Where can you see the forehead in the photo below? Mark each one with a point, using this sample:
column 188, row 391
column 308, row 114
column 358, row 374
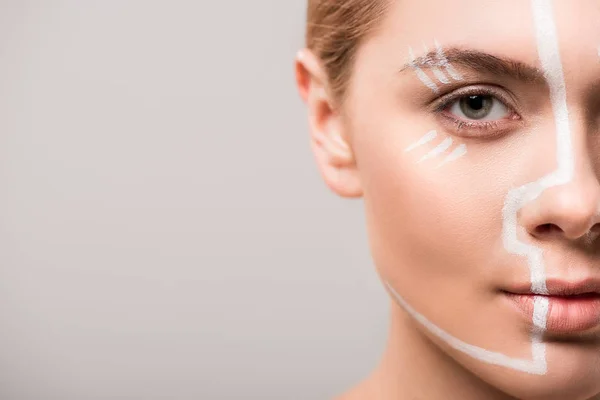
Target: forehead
column 501, row 27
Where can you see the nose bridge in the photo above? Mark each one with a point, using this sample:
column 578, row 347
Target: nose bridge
column 572, row 208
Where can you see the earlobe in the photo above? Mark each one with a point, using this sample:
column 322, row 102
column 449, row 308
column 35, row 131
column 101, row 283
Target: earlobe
column 337, row 167
column 333, row 152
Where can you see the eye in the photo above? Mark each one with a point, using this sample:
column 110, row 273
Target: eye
column 482, row 111
column 479, row 108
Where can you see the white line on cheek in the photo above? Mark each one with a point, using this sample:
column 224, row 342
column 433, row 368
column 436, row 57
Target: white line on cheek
column 442, row 147
column 487, row 356
column 455, row 155
column 429, row 136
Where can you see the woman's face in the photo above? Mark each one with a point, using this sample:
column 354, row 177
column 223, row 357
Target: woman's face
column 476, row 131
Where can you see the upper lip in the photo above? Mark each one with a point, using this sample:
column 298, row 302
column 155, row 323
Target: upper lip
column 561, row 287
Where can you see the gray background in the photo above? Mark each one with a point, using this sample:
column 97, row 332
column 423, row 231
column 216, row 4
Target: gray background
column 164, row 232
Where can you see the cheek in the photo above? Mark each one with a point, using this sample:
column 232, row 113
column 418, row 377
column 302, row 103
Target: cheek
column 436, row 222
column 411, row 209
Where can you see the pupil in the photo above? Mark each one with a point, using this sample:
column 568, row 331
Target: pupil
column 476, row 102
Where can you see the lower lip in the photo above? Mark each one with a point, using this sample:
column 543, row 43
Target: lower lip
column 566, row 314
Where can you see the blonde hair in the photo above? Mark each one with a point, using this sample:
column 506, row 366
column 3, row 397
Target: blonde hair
column 335, row 29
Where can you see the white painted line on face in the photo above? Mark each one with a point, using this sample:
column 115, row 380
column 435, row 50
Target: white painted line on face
column 429, row 136
column 444, row 62
column 538, row 351
column 457, row 153
column 517, row 198
column 441, row 148
column 549, row 53
column 440, row 75
column 541, row 306
column 420, row 74
column 435, row 68
column 479, row 353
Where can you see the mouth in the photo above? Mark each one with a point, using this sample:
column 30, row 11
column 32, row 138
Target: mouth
column 572, row 307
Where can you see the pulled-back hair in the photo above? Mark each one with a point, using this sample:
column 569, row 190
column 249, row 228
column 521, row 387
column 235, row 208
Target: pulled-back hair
column 335, row 28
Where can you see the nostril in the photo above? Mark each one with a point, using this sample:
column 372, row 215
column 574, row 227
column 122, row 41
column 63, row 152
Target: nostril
column 547, row 229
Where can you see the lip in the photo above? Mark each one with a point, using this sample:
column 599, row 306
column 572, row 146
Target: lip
column 573, row 307
column 560, row 287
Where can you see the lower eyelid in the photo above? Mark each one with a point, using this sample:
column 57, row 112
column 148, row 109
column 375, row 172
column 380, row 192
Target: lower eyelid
column 485, row 129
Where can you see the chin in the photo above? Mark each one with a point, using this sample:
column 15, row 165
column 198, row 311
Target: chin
column 560, row 386
column 573, row 374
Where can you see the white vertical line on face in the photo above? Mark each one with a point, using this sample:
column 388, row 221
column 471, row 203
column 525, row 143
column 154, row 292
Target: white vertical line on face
column 540, row 312
column 549, row 55
column 455, row 155
column 444, row 63
column 442, row 147
column 538, row 347
column 420, row 74
column 429, row 136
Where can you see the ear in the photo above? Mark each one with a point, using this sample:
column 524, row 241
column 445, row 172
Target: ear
column 328, row 136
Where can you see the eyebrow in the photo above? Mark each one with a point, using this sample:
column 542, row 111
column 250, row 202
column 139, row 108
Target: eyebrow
column 478, row 61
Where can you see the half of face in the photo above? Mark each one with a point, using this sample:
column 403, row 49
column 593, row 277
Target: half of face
column 474, row 127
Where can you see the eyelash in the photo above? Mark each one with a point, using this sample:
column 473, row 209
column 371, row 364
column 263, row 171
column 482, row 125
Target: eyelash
column 440, row 108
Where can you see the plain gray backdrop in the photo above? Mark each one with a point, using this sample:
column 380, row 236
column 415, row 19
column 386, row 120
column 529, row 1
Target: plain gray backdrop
column 164, row 231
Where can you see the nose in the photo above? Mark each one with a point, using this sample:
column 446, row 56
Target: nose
column 570, row 211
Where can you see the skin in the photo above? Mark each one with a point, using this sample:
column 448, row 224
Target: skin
column 436, row 233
